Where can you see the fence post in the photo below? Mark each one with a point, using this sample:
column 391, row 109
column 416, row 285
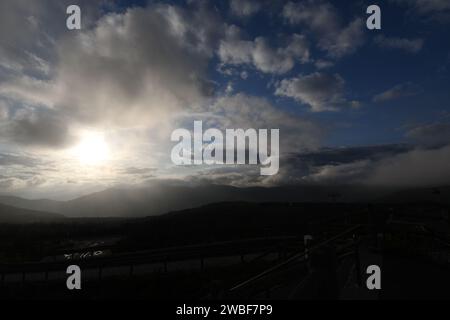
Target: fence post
column 357, row 261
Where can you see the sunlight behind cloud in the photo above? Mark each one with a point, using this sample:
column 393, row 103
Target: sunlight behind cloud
column 92, row 149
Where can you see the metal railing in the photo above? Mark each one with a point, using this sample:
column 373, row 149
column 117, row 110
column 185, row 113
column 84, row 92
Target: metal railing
column 292, row 259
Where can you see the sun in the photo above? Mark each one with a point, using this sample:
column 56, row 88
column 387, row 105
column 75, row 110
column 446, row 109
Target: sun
column 92, row 149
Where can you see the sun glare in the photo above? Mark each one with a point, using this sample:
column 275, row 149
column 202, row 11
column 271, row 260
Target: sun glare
column 92, row 149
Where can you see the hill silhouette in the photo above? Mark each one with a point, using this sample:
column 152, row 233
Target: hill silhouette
column 9, row 214
column 158, row 199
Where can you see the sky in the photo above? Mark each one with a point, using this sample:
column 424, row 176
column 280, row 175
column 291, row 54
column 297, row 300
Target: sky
column 85, row 110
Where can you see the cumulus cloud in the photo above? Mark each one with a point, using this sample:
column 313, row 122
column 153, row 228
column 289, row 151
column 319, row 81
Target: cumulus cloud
column 258, row 53
column 246, row 111
column 323, row 20
column 244, row 8
column 29, row 32
column 408, row 45
column 137, row 73
column 131, row 68
column 138, row 66
column 320, row 91
column 127, row 75
column 399, row 91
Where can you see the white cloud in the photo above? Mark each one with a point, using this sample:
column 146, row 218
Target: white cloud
column 29, row 32
column 246, row 111
column 261, row 55
column 399, row 91
column 409, row 45
column 229, row 89
column 323, row 64
column 320, row 91
column 323, row 20
column 414, row 168
column 128, row 75
column 244, row 8
column 337, row 174
column 132, row 68
column 137, row 67
column 419, row 167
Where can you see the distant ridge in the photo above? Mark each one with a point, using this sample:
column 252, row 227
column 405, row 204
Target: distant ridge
column 39, row 205
column 162, row 198
column 9, row 214
column 440, row 195
column 159, row 199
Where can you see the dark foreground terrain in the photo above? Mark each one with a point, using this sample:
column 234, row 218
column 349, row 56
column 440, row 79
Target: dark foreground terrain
column 235, row 250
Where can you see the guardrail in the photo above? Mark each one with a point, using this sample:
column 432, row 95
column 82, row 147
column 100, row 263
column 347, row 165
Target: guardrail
column 291, row 260
column 164, row 256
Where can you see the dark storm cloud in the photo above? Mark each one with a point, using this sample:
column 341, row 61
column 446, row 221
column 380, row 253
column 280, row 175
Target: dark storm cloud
column 345, row 165
column 350, row 154
column 395, row 165
column 41, row 128
column 339, row 166
column 432, row 134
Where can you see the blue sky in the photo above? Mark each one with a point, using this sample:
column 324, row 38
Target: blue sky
column 367, row 72
column 84, row 110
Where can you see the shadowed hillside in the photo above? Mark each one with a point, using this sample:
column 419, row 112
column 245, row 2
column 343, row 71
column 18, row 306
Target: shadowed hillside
column 10, row 214
column 161, row 198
